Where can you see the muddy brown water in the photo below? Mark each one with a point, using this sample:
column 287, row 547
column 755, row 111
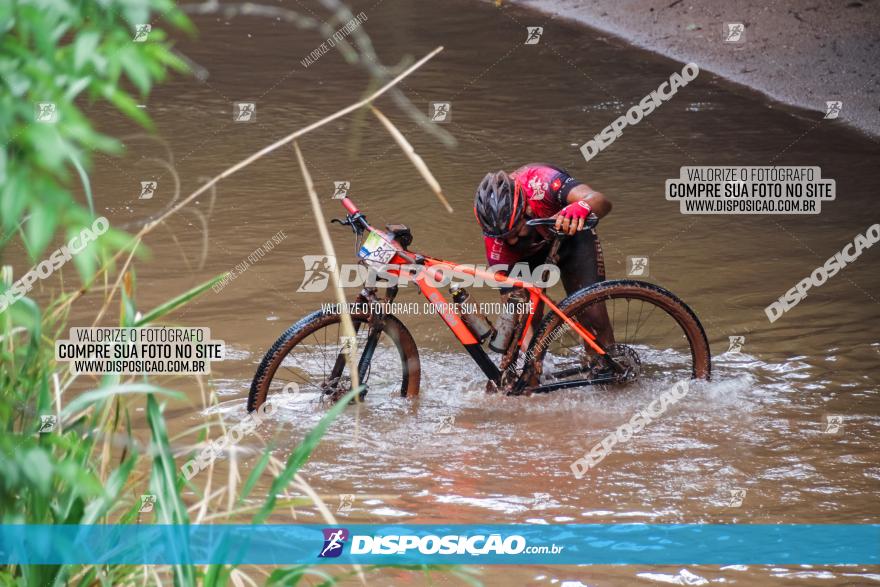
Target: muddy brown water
column 758, row 426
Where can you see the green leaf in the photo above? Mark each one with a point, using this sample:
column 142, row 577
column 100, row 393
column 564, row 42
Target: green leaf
column 113, row 487
column 180, row 300
column 127, row 105
column 84, row 179
column 84, row 261
column 40, row 227
column 13, row 200
column 301, row 454
column 84, row 47
column 135, row 68
column 38, row 469
column 290, row 577
column 76, row 88
column 93, row 397
column 255, row 475
column 163, row 483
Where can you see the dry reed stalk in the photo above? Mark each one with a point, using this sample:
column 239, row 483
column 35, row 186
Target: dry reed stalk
column 414, row 157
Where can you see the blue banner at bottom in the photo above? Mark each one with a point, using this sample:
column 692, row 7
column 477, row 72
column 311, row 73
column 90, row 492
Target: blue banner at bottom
column 520, row 544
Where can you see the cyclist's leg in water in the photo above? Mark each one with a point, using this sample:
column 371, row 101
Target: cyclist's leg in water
column 582, row 264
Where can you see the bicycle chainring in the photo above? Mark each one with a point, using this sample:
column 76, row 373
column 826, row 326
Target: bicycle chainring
column 626, row 357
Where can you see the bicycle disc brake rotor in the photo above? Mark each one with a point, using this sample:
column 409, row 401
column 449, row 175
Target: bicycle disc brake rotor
column 628, row 358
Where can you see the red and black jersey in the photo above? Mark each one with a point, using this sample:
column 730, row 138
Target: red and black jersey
column 545, row 188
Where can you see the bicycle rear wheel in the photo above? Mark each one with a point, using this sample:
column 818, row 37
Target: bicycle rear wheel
column 309, row 354
column 649, row 331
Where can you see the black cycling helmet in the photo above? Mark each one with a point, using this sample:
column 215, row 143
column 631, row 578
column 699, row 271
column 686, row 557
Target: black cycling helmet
column 498, row 204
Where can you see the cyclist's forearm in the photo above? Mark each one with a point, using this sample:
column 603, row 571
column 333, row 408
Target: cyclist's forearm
column 600, row 205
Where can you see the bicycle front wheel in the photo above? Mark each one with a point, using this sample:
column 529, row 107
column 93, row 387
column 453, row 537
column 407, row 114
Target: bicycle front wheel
column 310, row 355
column 646, row 329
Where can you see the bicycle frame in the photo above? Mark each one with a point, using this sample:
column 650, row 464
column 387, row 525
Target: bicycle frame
column 433, row 265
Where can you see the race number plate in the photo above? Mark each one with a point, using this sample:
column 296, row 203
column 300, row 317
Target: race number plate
column 376, row 250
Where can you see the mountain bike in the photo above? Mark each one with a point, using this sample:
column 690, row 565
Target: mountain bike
column 647, row 332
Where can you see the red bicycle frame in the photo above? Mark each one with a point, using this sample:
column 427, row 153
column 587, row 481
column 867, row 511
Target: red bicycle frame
column 433, row 268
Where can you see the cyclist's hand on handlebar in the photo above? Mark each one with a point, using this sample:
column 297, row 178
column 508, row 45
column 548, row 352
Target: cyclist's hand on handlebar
column 573, row 217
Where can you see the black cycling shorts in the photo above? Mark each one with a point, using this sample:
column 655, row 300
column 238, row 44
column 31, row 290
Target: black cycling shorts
column 581, row 262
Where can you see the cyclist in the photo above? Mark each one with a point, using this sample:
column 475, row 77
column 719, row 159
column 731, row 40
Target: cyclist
column 504, row 202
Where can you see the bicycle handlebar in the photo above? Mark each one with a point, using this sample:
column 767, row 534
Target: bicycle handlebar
column 350, row 206
column 592, row 221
